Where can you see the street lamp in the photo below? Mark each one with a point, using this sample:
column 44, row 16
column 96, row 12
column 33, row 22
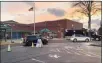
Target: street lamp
column 11, row 35
column 10, row 31
column 72, row 25
column 73, row 28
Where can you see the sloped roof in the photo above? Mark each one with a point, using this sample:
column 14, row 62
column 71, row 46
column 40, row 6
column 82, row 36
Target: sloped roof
column 20, row 27
column 44, row 30
column 10, row 21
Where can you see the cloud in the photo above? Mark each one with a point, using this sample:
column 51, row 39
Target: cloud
column 56, row 12
column 45, row 11
column 7, row 16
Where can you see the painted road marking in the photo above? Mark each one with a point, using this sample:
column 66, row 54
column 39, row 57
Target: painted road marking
column 77, row 53
column 94, row 55
column 80, row 50
column 53, row 50
column 89, row 54
column 67, row 50
column 57, row 49
column 54, row 56
column 38, row 60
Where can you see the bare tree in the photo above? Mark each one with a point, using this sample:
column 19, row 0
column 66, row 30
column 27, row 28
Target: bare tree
column 88, row 8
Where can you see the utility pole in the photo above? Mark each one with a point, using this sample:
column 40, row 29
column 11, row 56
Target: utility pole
column 34, row 17
column 11, row 35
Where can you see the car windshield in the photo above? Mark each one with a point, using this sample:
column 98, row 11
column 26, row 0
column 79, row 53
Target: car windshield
column 78, row 35
column 31, row 37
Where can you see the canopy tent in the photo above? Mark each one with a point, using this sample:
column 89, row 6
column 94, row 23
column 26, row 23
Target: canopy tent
column 4, row 28
column 44, row 30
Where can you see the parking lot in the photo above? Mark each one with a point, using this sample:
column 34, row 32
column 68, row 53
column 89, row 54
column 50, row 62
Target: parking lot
column 57, row 51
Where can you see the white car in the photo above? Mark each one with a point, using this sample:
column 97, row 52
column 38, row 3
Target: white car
column 78, row 37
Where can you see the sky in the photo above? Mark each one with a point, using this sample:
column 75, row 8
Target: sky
column 44, row 11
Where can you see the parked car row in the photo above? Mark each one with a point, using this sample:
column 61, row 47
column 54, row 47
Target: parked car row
column 79, row 37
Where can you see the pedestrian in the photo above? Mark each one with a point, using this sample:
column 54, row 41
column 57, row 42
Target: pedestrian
column 39, row 43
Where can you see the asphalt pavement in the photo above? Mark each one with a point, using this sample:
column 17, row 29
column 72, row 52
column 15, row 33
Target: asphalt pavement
column 57, row 51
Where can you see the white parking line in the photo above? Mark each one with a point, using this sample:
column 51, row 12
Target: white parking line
column 89, row 54
column 57, row 49
column 38, row 60
column 54, row 55
column 53, row 50
column 94, row 55
column 77, row 53
column 67, row 51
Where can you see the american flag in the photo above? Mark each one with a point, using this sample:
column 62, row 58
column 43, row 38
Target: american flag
column 31, row 9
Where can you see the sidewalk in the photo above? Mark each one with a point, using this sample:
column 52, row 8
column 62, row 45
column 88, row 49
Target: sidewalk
column 58, row 39
column 15, row 41
column 96, row 43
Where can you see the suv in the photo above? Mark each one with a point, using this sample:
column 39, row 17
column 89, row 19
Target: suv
column 27, row 41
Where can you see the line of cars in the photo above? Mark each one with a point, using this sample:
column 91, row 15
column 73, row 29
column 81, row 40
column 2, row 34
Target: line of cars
column 80, row 37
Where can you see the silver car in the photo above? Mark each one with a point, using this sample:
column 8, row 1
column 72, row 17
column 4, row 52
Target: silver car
column 79, row 37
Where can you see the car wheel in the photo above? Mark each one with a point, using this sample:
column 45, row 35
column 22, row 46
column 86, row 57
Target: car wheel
column 45, row 42
column 87, row 40
column 29, row 43
column 97, row 38
column 75, row 40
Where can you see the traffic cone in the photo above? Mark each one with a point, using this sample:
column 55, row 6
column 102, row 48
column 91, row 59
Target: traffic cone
column 9, row 48
column 32, row 45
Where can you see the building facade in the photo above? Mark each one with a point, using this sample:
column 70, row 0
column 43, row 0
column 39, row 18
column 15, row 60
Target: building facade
column 17, row 30
column 58, row 26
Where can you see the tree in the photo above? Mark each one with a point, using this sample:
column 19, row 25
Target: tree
column 100, row 31
column 88, row 8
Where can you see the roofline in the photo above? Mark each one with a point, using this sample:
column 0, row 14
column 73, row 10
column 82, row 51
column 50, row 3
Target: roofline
column 58, row 20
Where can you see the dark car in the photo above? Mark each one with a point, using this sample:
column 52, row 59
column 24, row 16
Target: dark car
column 97, row 37
column 33, row 38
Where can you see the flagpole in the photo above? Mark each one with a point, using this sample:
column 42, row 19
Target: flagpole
column 34, row 17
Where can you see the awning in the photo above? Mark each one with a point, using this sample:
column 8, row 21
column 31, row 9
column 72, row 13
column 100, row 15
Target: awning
column 5, row 27
column 44, row 30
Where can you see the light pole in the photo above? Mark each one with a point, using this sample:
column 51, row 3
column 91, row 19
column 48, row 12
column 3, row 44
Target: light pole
column 73, row 28
column 74, row 32
column 34, row 17
column 11, row 34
